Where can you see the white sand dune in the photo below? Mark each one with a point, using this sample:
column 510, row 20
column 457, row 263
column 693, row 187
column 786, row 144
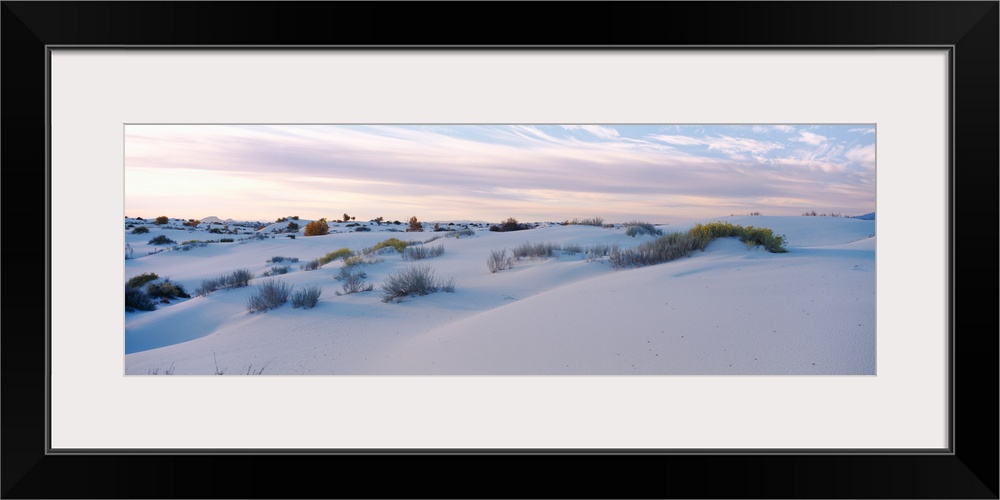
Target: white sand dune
column 725, row 311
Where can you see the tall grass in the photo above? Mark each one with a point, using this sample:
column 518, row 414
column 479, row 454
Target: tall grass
column 422, row 252
column 673, row 246
column 499, row 260
column 306, row 298
column 415, row 280
column 534, row 250
column 268, row 295
column 637, row 228
column 236, row 279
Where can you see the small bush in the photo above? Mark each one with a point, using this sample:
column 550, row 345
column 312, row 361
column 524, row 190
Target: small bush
column 215, row 230
column 268, row 295
column 422, row 252
column 397, row 244
column 596, row 221
column 142, row 279
column 276, row 270
column 510, row 224
column 353, row 281
column 140, row 230
column 225, row 240
column 162, row 240
column 279, row 258
column 636, row 228
column 166, row 290
column 362, row 228
column 534, row 250
column 332, row 256
column 312, row 265
column 236, row 279
column 292, row 227
column 572, row 248
column 137, row 300
column 416, row 280
column 191, row 223
column 317, row 228
column 163, row 219
column 415, row 226
column 306, row 298
column 499, row 260
column 464, row 232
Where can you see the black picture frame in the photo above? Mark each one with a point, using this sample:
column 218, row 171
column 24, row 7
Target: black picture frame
column 969, row 470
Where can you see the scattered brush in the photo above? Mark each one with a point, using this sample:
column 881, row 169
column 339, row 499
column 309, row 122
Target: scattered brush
column 395, row 243
column 499, row 260
column 673, row 246
column 416, row 280
column 636, row 228
column 306, row 298
column 236, row 279
column 312, row 265
column 268, row 295
column 332, row 256
column 162, row 240
column 277, row 259
column 140, row 230
column 276, row 270
column 422, row 252
column 142, row 279
column 353, row 281
column 166, row 290
column 534, row 250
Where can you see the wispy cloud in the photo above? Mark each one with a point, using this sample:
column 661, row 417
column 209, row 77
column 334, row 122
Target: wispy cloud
column 862, row 131
column 809, row 138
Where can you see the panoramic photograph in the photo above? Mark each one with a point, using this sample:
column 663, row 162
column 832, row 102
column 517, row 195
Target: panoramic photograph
column 522, row 249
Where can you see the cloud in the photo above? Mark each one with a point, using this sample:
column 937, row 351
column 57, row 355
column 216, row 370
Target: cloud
column 862, row 131
column 865, row 155
column 785, row 128
column 596, row 130
column 809, row 138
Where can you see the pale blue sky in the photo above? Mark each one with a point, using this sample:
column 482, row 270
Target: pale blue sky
column 657, row 173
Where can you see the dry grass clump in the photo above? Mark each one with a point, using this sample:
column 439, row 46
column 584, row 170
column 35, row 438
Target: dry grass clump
column 306, row 298
column 268, row 295
column 415, row 280
column 236, row 279
column 422, row 252
column 499, row 260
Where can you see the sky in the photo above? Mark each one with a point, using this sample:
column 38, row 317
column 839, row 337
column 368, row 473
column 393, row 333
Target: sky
column 651, row 173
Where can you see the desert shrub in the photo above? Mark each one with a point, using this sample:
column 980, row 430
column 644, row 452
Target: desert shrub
column 636, row 228
column 464, row 232
column 337, row 254
column 306, row 298
column 166, row 290
column 810, row 213
column 191, row 223
column 215, row 230
column 268, row 295
column 510, row 224
column 163, row 219
column 422, row 252
column 161, row 240
column 276, row 270
column 353, row 281
column 140, row 230
column 317, row 228
column 137, row 300
column 596, row 221
column 225, row 240
column 572, row 248
column 362, row 228
column 397, row 244
column 280, row 219
column 142, row 279
column 534, row 250
column 415, row 280
column 280, row 258
column 499, row 260
column 236, row 279
column 292, row 227
column 415, row 226
column 673, row 246
column 295, row 217
column 312, row 265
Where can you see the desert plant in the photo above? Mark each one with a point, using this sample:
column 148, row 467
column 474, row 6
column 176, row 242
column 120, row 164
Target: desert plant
column 317, row 228
column 312, row 265
column 137, row 300
column 142, row 279
column 292, row 227
column 499, row 260
column 236, row 279
column 163, row 219
column 422, row 252
column 596, row 221
column 510, row 224
column 397, row 244
column 534, row 250
column 280, row 258
column 306, row 298
column 337, row 254
column 636, row 228
column 276, row 270
column 140, row 230
column 268, row 295
column 161, row 240
column 225, row 240
column 415, row 226
column 353, row 281
column 166, row 290
column 191, row 223
column 415, row 280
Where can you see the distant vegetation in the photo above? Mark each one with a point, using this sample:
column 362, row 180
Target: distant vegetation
column 317, row 228
column 510, row 224
column 163, row 219
column 636, row 228
column 307, row 298
column 161, row 240
column 673, row 246
column 416, row 280
column 415, row 226
column 140, row 230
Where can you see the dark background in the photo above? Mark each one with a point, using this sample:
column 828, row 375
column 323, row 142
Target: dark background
column 970, row 472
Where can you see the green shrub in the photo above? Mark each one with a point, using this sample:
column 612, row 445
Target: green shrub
column 399, row 245
column 416, row 280
column 306, row 298
column 142, row 279
column 268, row 295
column 161, row 240
column 140, row 230
column 337, row 254
column 166, row 290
